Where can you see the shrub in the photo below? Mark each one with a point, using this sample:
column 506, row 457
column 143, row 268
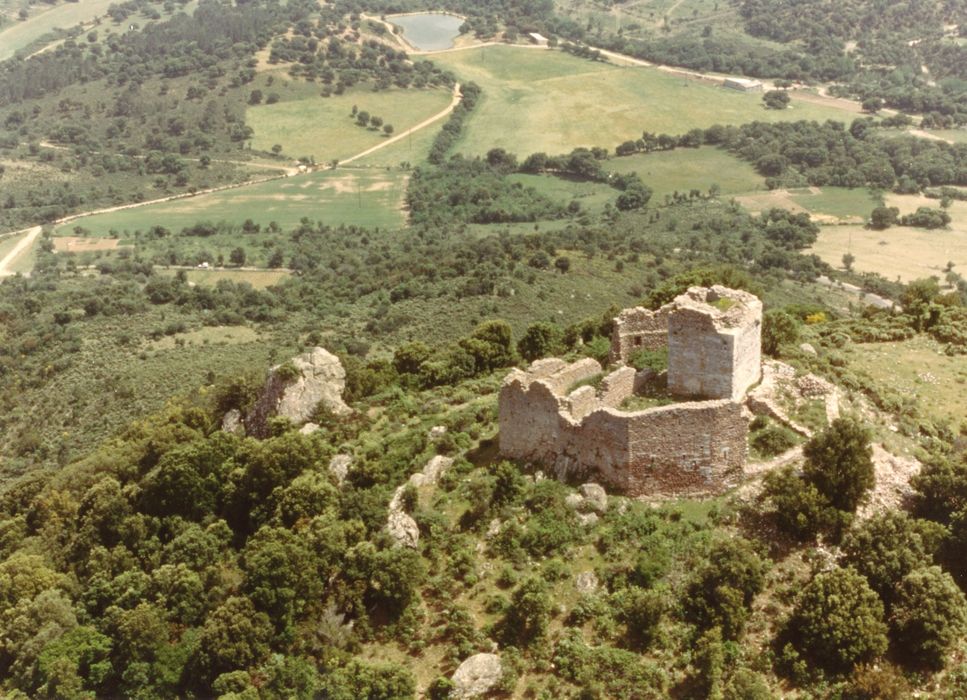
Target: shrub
column 838, row 621
column 929, row 616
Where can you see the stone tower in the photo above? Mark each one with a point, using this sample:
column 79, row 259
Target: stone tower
column 714, row 343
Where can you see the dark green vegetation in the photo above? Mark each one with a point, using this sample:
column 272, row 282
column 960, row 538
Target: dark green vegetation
column 146, row 553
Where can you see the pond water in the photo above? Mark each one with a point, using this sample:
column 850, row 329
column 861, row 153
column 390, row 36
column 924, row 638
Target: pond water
column 429, row 32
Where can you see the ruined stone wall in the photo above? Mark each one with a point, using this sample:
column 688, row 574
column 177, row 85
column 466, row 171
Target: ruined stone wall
column 697, row 447
column 687, row 448
column 637, row 329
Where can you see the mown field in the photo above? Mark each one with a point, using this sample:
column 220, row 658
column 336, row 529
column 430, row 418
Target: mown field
column 324, row 128
column 901, row 251
column 360, row 197
column 550, row 101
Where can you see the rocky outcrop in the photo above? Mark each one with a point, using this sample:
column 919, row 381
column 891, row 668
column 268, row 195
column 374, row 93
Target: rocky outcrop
column 476, row 676
column 339, row 467
column 232, row 422
column 296, row 389
column 400, row 526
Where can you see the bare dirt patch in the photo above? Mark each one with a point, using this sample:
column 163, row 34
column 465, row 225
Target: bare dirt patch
column 74, row 244
column 781, row 199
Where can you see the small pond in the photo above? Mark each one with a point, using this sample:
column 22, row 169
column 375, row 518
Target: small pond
column 429, row 32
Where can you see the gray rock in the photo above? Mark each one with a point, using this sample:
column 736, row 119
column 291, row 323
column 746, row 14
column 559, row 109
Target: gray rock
column 435, row 467
column 586, row 582
column 808, row 349
column 476, row 676
column 437, row 432
column 309, row 428
column 574, row 500
column 588, row 519
column 232, row 422
column 595, row 497
column 339, row 466
column 319, row 380
column 403, row 529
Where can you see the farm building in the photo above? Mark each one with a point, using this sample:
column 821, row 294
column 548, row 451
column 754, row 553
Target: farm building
column 538, row 39
column 743, row 84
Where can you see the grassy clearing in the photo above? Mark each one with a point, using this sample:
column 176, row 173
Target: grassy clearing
column 955, row 135
column 550, row 101
column 917, row 368
column 324, row 129
column 259, row 279
column 336, row 197
column 685, row 169
column 899, row 252
column 214, row 335
column 591, row 195
column 838, row 202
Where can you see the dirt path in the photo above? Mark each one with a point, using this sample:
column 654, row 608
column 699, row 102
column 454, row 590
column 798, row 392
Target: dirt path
column 926, row 135
column 18, row 250
column 422, row 125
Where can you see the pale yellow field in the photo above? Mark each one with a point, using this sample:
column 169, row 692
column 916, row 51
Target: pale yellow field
column 899, row 252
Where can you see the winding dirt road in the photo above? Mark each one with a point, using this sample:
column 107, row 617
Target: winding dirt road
column 22, row 247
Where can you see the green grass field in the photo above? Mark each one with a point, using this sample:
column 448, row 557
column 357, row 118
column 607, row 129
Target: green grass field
column 21, row 34
column 323, row 128
column 550, row 101
column 360, row 197
column 840, row 202
column 591, row 195
column 684, row 169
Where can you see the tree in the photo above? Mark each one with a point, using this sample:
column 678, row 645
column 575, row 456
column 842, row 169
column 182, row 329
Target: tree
column 720, row 593
column 409, row 357
column 277, row 148
column 529, row 613
column 255, row 97
column 848, row 260
column 778, row 329
column 234, row 637
column 872, row 105
column 376, row 122
column 838, row 621
column 237, row 256
column 539, row 340
column 362, row 118
column 930, row 615
column 563, row 264
column 884, row 217
column 839, row 463
column 776, row 99
column 388, row 129
column 884, row 549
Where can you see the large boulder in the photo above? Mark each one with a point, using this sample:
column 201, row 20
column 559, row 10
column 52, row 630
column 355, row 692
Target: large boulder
column 296, row 389
column 476, row 676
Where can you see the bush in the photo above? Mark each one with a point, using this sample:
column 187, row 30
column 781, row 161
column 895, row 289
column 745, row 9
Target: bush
column 929, row 617
column 772, row 440
column 838, row 621
column 839, row 463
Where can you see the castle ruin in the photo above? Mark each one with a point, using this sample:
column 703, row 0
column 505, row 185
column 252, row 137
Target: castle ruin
column 552, row 414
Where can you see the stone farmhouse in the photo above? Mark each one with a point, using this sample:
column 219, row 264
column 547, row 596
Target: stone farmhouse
column 553, row 415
